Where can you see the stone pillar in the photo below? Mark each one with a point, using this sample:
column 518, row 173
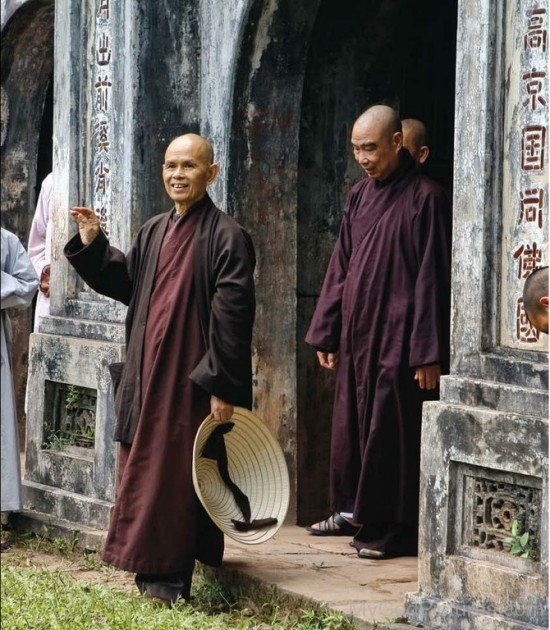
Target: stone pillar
column 484, row 444
column 70, row 454
column 122, row 89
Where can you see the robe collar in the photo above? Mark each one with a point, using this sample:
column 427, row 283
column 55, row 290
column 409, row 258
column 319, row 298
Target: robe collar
column 198, row 205
column 407, row 166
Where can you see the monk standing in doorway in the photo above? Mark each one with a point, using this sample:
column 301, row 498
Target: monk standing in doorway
column 382, row 321
column 415, row 140
column 188, row 284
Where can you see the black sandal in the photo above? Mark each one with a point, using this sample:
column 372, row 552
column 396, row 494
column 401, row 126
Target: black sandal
column 334, row 525
column 371, row 554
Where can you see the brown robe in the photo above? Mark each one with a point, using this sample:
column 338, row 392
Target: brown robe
column 224, row 288
column 384, row 308
column 158, row 526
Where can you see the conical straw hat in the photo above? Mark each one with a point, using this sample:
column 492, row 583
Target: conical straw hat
column 256, row 464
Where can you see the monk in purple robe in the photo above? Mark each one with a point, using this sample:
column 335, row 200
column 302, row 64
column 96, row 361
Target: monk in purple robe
column 188, row 283
column 382, row 321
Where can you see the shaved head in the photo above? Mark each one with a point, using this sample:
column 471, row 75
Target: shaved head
column 201, row 145
column 385, row 118
column 415, row 139
column 535, row 298
column 377, row 140
column 415, row 130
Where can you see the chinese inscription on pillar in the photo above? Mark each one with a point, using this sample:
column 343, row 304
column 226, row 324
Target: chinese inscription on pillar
column 101, row 132
column 525, row 166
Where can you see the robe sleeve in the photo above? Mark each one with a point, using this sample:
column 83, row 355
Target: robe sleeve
column 19, row 281
column 225, row 370
column 103, row 267
column 326, row 324
column 39, row 228
column 429, row 343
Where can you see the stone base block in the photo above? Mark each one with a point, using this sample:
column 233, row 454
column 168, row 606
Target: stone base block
column 68, row 506
column 484, row 474
column 51, row 528
column 433, row 613
column 70, row 426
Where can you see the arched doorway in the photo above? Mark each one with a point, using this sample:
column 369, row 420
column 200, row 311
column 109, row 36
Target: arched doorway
column 306, row 71
column 26, row 151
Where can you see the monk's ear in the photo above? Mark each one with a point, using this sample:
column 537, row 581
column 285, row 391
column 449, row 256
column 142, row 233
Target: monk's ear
column 423, row 154
column 213, row 171
column 544, row 301
column 397, row 140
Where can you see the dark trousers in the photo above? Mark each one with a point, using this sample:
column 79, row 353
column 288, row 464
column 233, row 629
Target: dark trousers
column 167, row 586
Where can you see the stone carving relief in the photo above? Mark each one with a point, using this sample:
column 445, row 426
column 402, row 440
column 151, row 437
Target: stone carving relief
column 525, row 167
column 72, row 422
column 496, row 506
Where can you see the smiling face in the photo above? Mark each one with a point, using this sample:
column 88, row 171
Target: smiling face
column 376, row 147
column 188, row 170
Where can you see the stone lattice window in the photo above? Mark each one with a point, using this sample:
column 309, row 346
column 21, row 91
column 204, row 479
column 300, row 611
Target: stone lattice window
column 70, row 416
column 496, row 506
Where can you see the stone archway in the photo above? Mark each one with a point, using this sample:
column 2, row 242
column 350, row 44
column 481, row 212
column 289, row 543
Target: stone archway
column 25, row 159
column 306, row 70
column 262, row 190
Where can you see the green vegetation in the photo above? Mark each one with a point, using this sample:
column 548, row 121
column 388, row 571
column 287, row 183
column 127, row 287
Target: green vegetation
column 34, row 595
column 519, row 543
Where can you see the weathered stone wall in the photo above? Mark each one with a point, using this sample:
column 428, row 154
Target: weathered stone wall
column 9, row 7
column 220, row 37
column 485, row 444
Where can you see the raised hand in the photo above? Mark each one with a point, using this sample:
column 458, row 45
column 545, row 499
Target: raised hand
column 88, row 223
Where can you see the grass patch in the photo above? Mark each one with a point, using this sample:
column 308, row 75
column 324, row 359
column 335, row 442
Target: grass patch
column 34, row 596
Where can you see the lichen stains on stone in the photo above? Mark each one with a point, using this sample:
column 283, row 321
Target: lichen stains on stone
column 262, row 37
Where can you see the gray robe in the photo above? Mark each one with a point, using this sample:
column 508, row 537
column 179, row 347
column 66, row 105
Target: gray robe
column 18, row 286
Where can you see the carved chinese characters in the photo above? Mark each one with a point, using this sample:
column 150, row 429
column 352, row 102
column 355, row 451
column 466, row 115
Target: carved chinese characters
column 102, row 115
column 525, row 166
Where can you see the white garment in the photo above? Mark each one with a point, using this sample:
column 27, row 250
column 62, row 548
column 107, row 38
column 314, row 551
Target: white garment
column 18, row 284
column 40, row 244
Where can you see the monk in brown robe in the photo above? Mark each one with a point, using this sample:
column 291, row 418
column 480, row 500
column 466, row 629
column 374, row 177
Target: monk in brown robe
column 382, row 322
column 188, row 283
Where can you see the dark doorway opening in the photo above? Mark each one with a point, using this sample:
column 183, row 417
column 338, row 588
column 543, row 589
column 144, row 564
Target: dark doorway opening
column 45, row 146
column 401, row 53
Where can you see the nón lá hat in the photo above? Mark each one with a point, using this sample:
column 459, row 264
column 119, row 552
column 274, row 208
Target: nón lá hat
column 240, row 476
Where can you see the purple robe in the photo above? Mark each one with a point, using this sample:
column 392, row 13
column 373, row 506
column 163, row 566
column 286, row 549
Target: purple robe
column 384, row 308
